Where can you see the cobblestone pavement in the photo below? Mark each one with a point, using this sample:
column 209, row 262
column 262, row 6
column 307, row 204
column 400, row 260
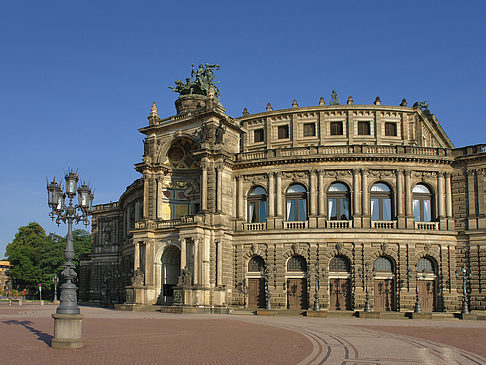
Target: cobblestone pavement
column 156, row 338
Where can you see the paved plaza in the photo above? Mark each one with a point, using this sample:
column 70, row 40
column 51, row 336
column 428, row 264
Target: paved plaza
column 113, row 337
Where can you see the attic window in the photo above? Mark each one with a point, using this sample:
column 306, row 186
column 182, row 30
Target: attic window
column 258, row 135
column 309, row 129
column 390, row 129
column 283, row 132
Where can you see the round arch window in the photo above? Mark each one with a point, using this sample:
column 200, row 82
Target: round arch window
column 381, row 202
column 338, row 202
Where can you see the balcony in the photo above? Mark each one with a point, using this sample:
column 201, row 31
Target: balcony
column 255, row 226
column 295, row 225
column 339, row 224
column 384, row 224
column 427, row 226
column 168, row 223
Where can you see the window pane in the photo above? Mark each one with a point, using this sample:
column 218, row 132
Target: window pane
column 258, row 135
column 331, row 208
column 390, row 129
column 386, row 209
column 302, row 209
column 256, row 264
column 258, row 190
column 297, row 263
column 263, row 211
column 380, row 187
column 338, row 187
column 421, row 189
column 383, row 264
column 364, row 128
column 427, row 211
column 291, row 210
column 375, row 211
column 336, row 128
column 283, row 132
column 424, row 265
column 416, row 210
column 252, row 212
column 344, row 209
column 339, row 263
column 296, row 188
column 309, row 129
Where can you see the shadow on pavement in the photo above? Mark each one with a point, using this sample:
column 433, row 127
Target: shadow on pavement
column 42, row 336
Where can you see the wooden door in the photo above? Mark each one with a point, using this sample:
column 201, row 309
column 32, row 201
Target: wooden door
column 427, row 295
column 256, row 293
column 384, row 295
column 297, row 294
column 339, row 294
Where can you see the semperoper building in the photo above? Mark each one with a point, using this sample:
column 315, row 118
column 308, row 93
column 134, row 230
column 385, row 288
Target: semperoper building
column 280, row 208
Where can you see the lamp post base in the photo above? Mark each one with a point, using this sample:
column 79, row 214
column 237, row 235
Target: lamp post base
column 67, row 331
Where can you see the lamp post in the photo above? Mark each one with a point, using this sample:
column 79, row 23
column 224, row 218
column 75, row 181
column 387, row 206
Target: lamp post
column 466, row 274
column 418, row 308
column 244, row 291
column 55, row 280
column 67, row 320
column 316, row 293
column 364, row 274
column 266, row 277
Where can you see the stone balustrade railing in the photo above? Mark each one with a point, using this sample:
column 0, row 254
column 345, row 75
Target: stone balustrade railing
column 384, row 224
column 339, row 224
column 343, row 150
column 295, row 225
column 427, row 226
column 168, row 223
column 255, row 226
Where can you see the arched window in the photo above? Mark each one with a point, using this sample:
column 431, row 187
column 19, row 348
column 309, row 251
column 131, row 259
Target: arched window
column 339, row 264
column 383, row 264
column 425, row 265
column 338, row 202
column 381, row 206
column 256, row 264
column 297, row 263
column 257, row 205
column 296, row 203
column 422, row 203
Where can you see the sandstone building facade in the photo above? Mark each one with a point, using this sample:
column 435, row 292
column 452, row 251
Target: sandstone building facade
column 291, row 205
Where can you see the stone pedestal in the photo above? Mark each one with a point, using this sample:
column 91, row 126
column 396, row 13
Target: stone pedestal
column 469, row 316
column 363, row 314
column 414, row 315
column 67, row 331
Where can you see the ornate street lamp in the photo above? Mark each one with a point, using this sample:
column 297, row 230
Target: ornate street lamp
column 266, row 277
column 316, row 293
column 55, row 280
column 466, row 275
column 67, row 316
column 364, row 274
column 418, row 308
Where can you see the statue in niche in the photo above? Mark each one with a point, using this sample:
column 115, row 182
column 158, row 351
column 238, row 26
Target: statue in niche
column 220, row 131
column 204, row 133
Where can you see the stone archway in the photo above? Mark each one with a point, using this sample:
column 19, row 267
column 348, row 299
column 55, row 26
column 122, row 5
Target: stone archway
column 170, row 271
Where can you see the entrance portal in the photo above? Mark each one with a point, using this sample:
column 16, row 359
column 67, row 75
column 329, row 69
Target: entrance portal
column 384, row 287
column 171, row 268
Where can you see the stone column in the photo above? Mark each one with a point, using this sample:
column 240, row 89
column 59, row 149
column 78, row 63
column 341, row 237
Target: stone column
column 356, row 203
column 279, row 194
column 440, row 195
column 137, row 210
column 196, row 261
column 448, row 190
column 271, row 195
column 204, row 184
column 471, row 196
column 313, row 192
column 219, row 263
column 234, row 197
column 408, row 201
column 183, row 253
column 219, row 193
column 400, row 200
column 240, row 197
column 365, row 199
column 159, row 198
column 322, row 194
column 136, row 255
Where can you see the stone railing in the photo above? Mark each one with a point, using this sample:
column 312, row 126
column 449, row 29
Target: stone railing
column 383, row 224
column 345, row 150
column 105, row 206
column 255, row 226
column 427, row 226
column 169, row 223
column 295, row 225
column 339, row 224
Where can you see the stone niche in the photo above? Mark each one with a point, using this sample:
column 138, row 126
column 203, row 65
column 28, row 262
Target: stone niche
column 188, row 103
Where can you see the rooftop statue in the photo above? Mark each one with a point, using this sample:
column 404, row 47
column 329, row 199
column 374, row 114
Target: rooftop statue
column 422, row 104
column 204, row 79
column 334, row 98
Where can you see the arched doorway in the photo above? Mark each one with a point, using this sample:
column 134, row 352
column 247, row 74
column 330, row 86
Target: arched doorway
column 339, row 284
column 384, row 288
column 297, row 283
column 171, row 268
column 427, row 284
column 256, row 283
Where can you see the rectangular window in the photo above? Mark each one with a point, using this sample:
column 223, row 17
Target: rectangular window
column 331, row 209
column 336, row 128
column 364, row 128
column 416, row 209
column 283, row 132
column 309, row 129
column 258, row 135
column 390, row 129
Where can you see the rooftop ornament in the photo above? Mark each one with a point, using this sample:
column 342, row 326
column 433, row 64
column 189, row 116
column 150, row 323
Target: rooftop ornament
column 204, row 79
column 422, row 105
column 334, row 98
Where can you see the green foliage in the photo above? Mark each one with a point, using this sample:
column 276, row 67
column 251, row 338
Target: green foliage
column 37, row 257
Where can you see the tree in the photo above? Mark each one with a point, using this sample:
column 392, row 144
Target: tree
column 37, row 257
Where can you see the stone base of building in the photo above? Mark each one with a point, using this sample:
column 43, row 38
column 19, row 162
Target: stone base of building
column 67, row 331
column 414, row 315
column 194, row 310
column 320, row 314
column 468, row 316
column 362, row 314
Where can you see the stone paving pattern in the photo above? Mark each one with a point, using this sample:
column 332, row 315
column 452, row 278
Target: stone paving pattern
column 113, row 337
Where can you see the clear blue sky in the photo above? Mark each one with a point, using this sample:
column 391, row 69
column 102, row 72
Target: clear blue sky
column 77, row 79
